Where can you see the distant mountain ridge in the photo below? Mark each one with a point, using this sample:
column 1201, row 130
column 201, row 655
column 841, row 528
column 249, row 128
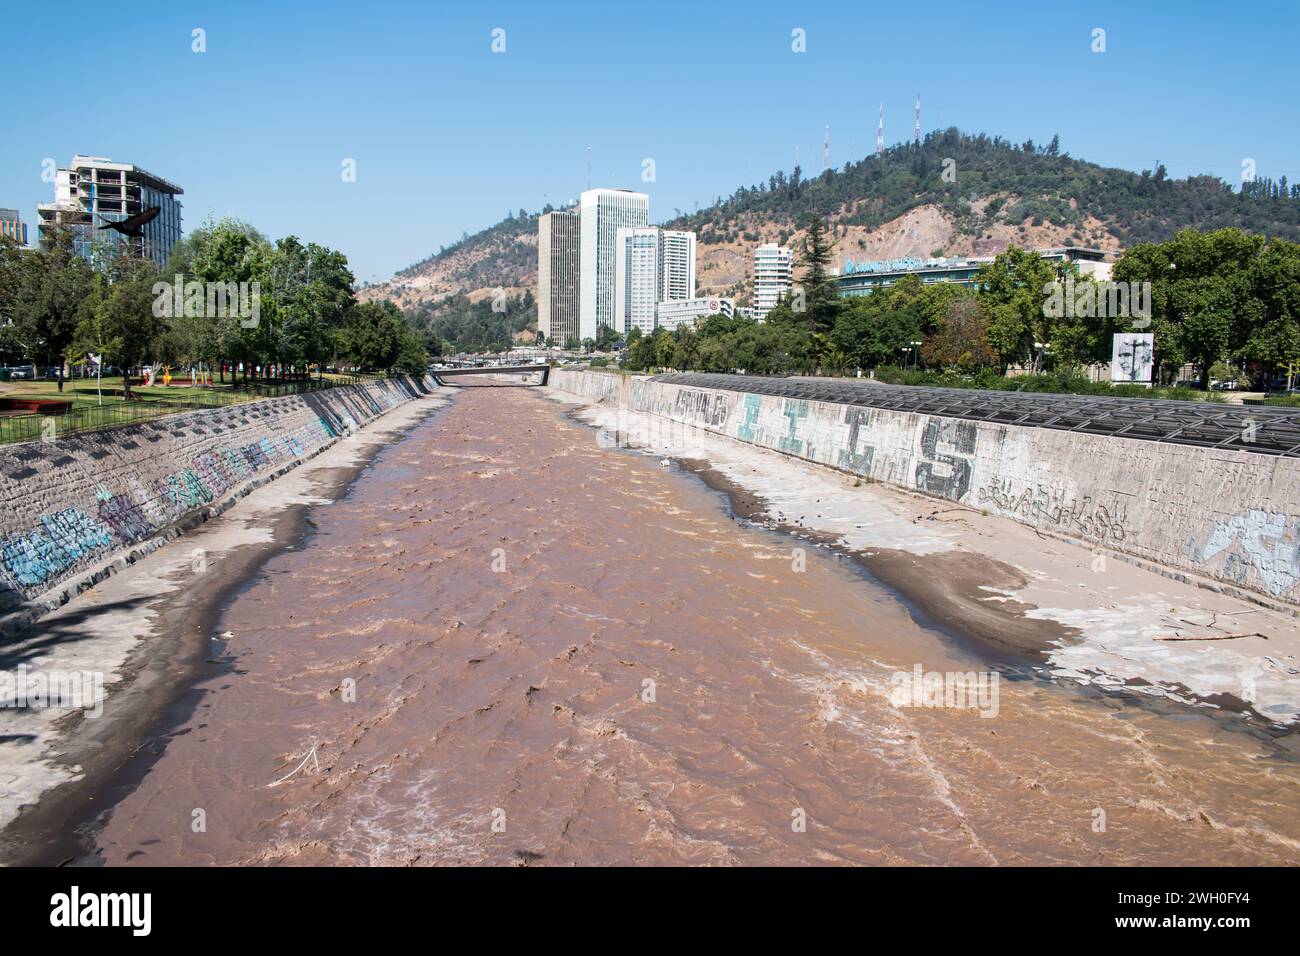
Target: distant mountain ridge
column 951, row 195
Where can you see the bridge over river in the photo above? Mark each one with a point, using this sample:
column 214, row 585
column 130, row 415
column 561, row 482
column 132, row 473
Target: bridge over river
column 480, row 375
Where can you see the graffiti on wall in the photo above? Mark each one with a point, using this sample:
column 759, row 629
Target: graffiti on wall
column 853, row 457
column 61, row 540
column 123, row 516
column 947, row 447
column 1266, row 542
column 745, row 430
column 1050, row 506
column 795, row 410
column 66, row 538
column 702, row 408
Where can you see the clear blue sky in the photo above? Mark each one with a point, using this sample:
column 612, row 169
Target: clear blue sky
column 448, row 136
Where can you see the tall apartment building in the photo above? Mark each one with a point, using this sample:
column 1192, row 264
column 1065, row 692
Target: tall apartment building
column 12, row 225
column 652, row 265
column 558, row 290
column 604, row 212
column 676, row 265
column 94, row 190
column 636, row 279
column 773, row 276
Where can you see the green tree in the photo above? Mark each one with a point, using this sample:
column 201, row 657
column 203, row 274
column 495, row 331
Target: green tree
column 123, row 322
column 1012, row 296
column 1205, row 336
column 49, row 285
column 1219, row 296
column 95, row 334
column 306, row 291
column 373, row 335
column 821, row 297
column 961, row 341
column 226, row 251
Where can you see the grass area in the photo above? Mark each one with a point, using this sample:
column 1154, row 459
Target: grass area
column 83, row 392
column 88, row 414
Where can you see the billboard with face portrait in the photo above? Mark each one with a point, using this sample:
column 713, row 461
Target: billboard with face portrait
column 1131, row 357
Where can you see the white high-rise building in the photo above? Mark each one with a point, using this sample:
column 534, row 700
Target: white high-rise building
column 651, row 266
column 636, row 279
column 773, row 276
column 604, row 212
column 676, row 265
column 94, row 190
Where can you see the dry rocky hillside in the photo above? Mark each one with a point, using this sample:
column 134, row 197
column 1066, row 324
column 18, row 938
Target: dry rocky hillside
column 893, row 206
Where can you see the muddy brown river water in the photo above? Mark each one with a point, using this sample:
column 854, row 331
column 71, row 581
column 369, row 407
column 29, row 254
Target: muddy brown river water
column 508, row 644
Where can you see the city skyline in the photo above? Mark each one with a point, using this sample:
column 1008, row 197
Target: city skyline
column 470, row 118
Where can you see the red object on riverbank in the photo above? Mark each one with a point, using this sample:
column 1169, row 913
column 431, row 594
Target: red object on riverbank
column 34, row 406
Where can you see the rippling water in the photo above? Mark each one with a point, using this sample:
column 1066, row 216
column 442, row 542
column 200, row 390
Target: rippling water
column 568, row 654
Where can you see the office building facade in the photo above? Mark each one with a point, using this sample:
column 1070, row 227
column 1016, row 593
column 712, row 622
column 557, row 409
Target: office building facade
column 863, row 278
column 636, row 279
column 773, row 276
column 676, row 265
column 604, row 212
column 93, row 190
column 12, row 226
column 558, row 268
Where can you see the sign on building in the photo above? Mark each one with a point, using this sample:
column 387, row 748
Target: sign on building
column 1131, row 357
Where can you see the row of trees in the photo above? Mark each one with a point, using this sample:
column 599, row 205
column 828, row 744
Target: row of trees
column 1219, row 297
column 294, row 309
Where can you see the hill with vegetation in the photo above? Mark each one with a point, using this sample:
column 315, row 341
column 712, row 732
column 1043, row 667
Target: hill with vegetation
column 954, row 194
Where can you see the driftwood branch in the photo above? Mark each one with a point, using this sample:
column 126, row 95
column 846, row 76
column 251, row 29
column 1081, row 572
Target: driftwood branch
column 1210, row 637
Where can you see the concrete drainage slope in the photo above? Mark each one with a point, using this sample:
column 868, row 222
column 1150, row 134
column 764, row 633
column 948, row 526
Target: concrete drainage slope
column 72, row 509
column 1222, row 517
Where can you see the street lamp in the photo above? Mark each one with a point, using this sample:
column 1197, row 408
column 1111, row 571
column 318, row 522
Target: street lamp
column 1040, row 349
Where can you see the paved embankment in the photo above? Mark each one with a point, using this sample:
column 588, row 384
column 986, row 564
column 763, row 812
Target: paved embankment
column 1228, row 518
column 73, row 510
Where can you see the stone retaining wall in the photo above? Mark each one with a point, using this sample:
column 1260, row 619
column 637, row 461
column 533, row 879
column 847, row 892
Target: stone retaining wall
column 1229, row 516
column 67, row 506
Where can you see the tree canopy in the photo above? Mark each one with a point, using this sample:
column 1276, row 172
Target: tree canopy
column 227, row 298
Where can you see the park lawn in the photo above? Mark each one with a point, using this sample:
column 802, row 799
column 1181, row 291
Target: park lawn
column 83, row 391
column 89, row 415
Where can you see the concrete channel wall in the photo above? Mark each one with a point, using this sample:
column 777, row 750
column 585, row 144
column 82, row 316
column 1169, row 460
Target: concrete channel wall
column 71, row 506
column 1231, row 517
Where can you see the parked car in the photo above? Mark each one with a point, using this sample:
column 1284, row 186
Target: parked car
column 17, row 372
